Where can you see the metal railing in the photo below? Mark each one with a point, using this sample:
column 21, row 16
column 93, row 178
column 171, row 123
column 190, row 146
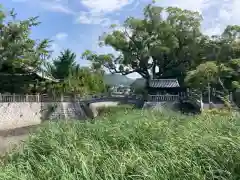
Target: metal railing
column 160, row 98
column 48, row 98
column 19, row 98
column 67, row 98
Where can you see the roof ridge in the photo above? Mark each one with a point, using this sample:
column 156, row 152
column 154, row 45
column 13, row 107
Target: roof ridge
column 165, row 79
column 164, row 83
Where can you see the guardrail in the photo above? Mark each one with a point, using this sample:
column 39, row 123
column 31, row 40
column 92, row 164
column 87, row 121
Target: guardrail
column 65, row 98
column 19, row 98
column 62, row 98
column 159, row 98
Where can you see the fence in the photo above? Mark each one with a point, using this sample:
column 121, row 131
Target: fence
column 159, row 98
column 65, row 98
column 19, row 98
column 47, row 98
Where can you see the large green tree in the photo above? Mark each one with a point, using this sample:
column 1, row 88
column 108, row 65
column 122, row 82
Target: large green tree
column 171, row 43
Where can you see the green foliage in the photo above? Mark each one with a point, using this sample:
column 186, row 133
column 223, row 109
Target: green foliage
column 203, row 75
column 175, row 46
column 80, row 81
column 17, row 49
column 132, row 145
column 63, row 65
column 164, row 43
column 105, row 112
column 20, row 55
column 171, row 43
column 219, row 112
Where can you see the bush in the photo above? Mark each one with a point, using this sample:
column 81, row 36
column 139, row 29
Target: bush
column 108, row 111
column 132, row 145
column 215, row 111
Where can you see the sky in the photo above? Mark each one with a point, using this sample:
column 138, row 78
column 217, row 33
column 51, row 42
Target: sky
column 77, row 24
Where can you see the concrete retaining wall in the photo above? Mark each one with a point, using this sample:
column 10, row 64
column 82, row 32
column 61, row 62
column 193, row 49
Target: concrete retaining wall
column 19, row 114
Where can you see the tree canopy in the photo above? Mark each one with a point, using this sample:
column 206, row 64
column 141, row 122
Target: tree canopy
column 17, row 49
column 63, row 65
column 168, row 43
column 164, row 43
column 22, row 57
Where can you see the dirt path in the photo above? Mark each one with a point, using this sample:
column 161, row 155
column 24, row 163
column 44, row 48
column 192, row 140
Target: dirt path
column 10, row 138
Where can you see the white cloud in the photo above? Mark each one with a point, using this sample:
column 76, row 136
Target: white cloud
column 105, row 5
column 99, row 9
column 93, row 18
column 217, row 14
column 196, row 5
column 56, row 7
column 60, row 6
column 61, row 36
column 230, row 12
column 227, row 14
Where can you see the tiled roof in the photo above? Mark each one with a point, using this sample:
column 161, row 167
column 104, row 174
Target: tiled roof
column 42, row 75
column 164, row 83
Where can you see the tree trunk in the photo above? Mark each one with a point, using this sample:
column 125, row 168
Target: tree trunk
column 145, row 97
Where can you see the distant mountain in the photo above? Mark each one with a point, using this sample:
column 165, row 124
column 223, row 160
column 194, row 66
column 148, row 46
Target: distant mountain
column 138, row 83
column 117, row 79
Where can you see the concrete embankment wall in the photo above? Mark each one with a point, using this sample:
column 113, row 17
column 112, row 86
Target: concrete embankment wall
column 66, row 110
column 19, row 114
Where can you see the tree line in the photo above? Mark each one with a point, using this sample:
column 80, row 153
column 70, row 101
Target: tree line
column 168, row 43
column 21, row 57
column 165, row 43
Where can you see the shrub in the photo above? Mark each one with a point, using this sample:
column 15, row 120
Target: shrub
column 108, row 111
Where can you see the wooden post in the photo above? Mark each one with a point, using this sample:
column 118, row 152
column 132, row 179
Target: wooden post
column 0, row 97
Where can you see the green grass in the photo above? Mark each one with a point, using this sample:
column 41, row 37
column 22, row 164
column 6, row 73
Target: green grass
column 131, row 144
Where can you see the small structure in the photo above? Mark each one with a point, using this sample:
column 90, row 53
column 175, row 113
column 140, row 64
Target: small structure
column 163, row 90
column 22, row 78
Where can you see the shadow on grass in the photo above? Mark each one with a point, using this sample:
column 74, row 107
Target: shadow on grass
column 19, row 131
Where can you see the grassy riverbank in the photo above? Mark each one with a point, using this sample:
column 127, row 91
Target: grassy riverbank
column 131, row 144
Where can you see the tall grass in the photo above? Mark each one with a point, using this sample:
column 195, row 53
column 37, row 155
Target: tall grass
column 131, row 145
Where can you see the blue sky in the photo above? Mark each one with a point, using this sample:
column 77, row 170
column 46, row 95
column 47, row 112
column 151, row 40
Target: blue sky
column 77, row 24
